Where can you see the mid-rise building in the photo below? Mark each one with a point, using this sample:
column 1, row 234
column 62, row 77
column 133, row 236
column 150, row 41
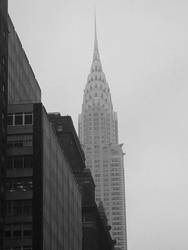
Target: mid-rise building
column 43, row 202
column 3, row 104
column 96, row 235
column 98, row 133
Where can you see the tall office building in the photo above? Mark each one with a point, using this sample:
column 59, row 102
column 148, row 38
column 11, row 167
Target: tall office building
column 98, row 132
column 41, row 199
column 3, row 104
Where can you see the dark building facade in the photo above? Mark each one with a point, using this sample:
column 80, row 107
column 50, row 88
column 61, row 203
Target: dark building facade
column 96, row 235
column 22, row 84
column 3, row 103
column 96, row 231
column 69, row 141
column 43, row 202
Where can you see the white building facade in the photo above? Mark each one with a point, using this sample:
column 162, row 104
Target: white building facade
column 98, row 133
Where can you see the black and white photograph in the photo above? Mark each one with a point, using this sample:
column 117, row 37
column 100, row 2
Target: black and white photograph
column 93, row 125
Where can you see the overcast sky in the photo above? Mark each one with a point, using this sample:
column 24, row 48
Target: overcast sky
column 144, row 52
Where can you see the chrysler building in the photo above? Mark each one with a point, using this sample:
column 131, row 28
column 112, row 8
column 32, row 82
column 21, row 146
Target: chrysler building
column 98, row 133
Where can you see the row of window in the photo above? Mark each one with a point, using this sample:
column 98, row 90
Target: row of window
column 115, row 174
column 117, row 223
column 19, row 141
column 19, row 230
column 20, row 162
column 117, row 198
column 3, row 94
column 19, row 184
column 95, row 114
column 19, row 144
column 115, row 160
column 118, row 233
column 117, row 213
column 118, row 227
column 115, row 193
column 19, row 248
column 115, row 179
column 115, row 165
column 15, row 119
column 18, row 233
column 117, row 208
column 19, row 208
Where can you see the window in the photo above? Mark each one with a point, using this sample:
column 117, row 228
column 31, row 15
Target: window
column 27, row 233
column 10, row 120
column 3, row 87
column 7, row 230
column 59, row 128
column 17, row 208
column 17, row 233
column 20, row 119
column 7, row 233
column 28, row 161
column 28, row 118
column 9, row 163
column 18, row 162
column 27, row 207
column 8, row 208
column 24, row 161
column 3, row 60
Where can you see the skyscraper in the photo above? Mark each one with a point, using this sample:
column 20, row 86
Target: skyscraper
column 98, row 132
column 40, row 203
column 3, row 105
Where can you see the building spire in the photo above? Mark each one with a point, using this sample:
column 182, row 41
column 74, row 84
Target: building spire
column 96, row 49
column 96, row 57
column 96, row 41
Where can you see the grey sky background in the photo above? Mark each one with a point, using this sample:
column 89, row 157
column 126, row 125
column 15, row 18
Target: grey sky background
column 144, row 52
